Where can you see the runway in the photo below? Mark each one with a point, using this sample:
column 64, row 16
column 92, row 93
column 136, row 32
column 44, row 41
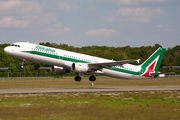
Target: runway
column 90, row 89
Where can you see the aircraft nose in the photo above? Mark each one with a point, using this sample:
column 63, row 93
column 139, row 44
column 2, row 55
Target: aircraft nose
column 7, row 50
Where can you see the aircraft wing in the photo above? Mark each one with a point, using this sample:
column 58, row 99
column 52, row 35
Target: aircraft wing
column 98, row 66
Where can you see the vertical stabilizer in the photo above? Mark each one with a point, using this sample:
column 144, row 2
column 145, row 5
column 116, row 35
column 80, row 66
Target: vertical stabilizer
column 152, row 64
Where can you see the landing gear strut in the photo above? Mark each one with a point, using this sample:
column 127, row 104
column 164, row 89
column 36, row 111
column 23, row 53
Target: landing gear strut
column 22, row 65
column 92, row 78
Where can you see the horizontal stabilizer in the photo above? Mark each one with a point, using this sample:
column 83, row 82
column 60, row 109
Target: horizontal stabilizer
column 155, row 74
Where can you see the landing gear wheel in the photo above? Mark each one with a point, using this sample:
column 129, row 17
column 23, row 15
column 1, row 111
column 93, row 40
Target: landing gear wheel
column 92, row 78
column 77, row 78
column 21, row 66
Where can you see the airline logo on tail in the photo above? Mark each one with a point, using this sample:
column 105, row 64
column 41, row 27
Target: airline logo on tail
column 152, row 64
column 151, row 68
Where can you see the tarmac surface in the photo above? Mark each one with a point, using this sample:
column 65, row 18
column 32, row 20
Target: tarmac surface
column 90, row 89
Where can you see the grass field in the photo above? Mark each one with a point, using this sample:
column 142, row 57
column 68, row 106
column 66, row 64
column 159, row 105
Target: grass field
column 92, row 106
column 15, row 83
column 160, row 105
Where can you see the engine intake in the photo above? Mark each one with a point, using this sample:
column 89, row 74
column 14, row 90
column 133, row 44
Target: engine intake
column 80, row 67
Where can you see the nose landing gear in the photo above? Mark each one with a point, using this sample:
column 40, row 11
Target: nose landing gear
column 22, row 65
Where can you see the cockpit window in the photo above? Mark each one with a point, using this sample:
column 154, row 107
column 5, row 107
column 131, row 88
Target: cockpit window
column 15, row 45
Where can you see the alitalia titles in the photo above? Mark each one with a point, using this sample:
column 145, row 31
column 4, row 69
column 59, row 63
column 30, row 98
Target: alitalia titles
column 45, row 49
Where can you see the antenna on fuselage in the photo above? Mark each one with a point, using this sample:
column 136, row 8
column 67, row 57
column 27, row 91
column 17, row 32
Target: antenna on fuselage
column 27, row 41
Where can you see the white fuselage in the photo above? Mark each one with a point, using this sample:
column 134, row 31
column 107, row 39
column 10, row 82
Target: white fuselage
column 63, row 58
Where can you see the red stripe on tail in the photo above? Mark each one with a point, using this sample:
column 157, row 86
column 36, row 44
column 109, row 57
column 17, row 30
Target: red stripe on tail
column 150, row 69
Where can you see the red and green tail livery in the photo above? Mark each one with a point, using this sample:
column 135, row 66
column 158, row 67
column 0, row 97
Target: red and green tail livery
column 152, row 64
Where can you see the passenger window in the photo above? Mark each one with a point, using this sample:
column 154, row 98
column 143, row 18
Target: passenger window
column 18, row 45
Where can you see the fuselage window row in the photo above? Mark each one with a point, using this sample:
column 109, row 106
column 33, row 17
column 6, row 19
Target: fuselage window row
column 65, row 55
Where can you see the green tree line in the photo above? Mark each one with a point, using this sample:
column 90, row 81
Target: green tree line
column 171, row 57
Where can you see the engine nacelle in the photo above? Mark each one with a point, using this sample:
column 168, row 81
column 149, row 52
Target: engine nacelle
column 59, row 70
column 80, row 67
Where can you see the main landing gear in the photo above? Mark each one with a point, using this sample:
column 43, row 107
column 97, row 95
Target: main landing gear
column 92, row 78
column 77, row 78
column 22, row 65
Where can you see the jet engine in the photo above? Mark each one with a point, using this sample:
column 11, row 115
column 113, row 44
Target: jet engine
column 80, row 67
column 59, row 70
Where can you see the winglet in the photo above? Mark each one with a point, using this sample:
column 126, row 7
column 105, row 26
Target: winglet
column 138, row 60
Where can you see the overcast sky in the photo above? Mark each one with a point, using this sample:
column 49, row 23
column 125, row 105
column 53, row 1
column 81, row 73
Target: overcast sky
column 80, row 23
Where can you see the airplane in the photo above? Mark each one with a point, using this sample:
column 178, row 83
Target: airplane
column 63, row 61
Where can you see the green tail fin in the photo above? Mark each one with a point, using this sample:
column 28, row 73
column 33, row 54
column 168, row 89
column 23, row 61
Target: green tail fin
column 152, row 64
